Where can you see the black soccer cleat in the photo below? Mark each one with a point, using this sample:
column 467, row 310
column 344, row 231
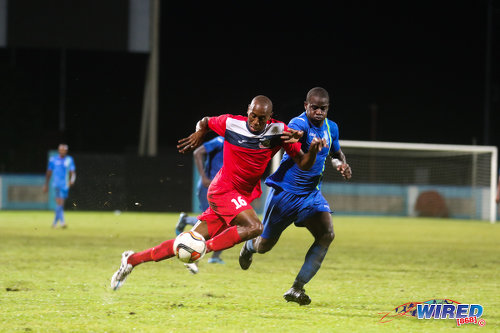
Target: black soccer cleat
column 245, row 257
column 297, row 295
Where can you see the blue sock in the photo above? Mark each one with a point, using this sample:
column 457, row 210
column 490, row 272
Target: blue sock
column 249, row 246
column 191, row 220
column 60, row 214
column 312, row 263
column 56, row 218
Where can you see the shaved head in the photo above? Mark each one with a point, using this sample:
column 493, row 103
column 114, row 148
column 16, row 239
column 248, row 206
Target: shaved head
column 262, row 103
column 259, row 112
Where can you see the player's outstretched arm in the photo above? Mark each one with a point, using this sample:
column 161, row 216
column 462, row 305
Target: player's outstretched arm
column 339, row 162
column 190, row 143
column 306, row 161
column 200, row 155
column 72, row 178
column 48, row 174
column 291, row 135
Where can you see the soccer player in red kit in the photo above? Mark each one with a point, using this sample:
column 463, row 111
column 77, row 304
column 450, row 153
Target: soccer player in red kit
column 250, row 143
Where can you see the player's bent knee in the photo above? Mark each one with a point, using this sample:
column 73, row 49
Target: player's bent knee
column 253, row 229
column 256, row 230
column 249, row 225
column 327, row 238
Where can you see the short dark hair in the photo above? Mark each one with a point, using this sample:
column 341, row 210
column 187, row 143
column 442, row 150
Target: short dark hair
column 317, row 91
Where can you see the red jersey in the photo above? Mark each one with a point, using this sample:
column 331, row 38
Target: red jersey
column 246, row 154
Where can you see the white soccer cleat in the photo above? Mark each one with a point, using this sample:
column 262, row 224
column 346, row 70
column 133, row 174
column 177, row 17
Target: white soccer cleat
column 118, row 279
column 192, row 268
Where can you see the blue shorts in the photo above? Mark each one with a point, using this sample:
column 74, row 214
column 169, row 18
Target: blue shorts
column 61, row 192
column 284, row 208
column 202, row 197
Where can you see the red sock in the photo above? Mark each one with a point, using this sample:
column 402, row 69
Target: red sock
column 226, row 239
column 163, row 251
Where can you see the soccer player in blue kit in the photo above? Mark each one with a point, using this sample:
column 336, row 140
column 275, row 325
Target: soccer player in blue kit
column 295, row 196
column 61, row 168
column 208, row 159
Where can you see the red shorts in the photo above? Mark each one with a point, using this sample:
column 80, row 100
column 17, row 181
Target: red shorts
column 224, row 206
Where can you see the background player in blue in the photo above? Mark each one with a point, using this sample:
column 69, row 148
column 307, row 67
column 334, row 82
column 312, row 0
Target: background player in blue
column 61, row 169
column 295, row 195
column 208, row 159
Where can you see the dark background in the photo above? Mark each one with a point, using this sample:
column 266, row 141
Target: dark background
column 406, row 72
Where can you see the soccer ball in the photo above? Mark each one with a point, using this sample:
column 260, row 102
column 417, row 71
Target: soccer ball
column 189, row 246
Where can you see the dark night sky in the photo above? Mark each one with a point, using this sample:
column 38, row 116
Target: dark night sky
column 422, row 64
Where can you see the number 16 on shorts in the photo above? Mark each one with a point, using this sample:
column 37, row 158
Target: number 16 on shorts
column 239, row 202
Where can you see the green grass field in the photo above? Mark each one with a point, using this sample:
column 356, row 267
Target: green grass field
column 55, row 280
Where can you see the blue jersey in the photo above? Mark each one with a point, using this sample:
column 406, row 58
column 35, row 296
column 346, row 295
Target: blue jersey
column 289, row 176
column 60, row 168
column 213, row 162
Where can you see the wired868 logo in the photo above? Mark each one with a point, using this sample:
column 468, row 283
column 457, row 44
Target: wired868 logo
column 463, row 313
column 439, row 309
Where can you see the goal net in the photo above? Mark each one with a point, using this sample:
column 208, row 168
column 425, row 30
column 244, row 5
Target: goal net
column 404, row 179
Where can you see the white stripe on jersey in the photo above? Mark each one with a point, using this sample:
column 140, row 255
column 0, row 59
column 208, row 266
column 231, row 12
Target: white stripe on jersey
column 240, row 127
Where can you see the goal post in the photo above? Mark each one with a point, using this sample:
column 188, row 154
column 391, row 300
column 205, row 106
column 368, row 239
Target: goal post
column 414, row 179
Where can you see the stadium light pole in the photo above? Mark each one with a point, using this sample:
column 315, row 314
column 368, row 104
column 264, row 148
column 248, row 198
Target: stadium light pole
column 149, row 123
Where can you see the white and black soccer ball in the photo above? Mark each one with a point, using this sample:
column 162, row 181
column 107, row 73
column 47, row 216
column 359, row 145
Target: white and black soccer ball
column 189, row 246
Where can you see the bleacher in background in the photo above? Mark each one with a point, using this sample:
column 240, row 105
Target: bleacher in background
column 110, row 182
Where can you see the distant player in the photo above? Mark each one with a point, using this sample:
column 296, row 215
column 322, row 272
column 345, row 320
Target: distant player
column 208, row 160
column 295, row 195
column 250, row 142
column 61, row 169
